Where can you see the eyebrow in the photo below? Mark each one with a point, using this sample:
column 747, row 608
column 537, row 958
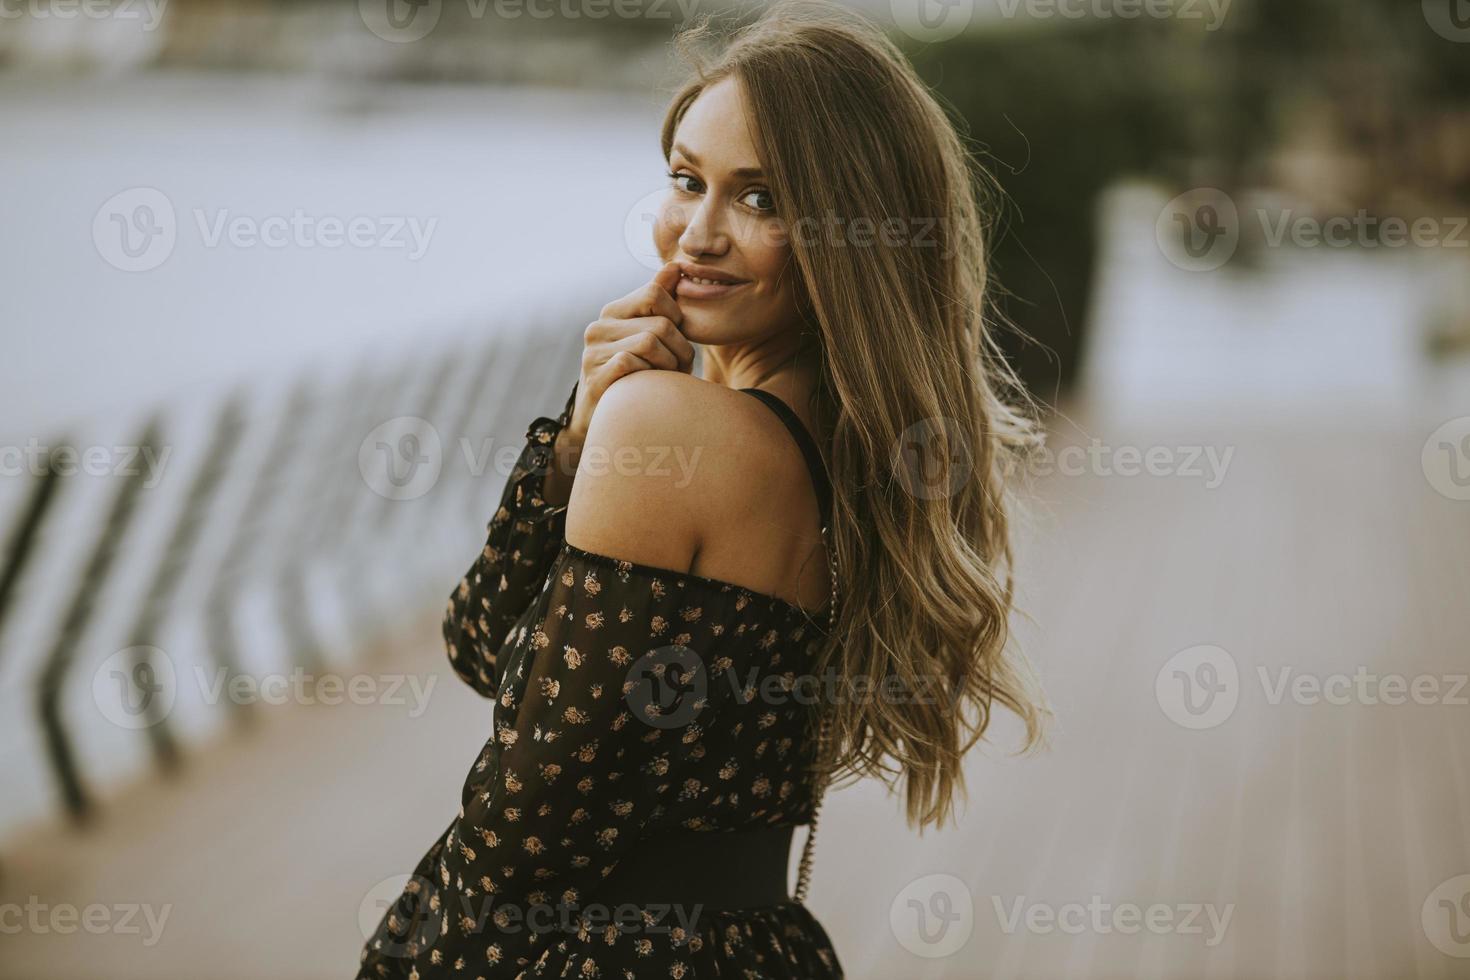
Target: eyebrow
column 738, row 171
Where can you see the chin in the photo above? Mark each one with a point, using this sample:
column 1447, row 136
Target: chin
column 702, row 328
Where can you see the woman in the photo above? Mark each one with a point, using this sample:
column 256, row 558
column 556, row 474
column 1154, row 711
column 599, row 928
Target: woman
column 696, row 588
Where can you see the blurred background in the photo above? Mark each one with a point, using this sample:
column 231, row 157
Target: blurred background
column 284, row 283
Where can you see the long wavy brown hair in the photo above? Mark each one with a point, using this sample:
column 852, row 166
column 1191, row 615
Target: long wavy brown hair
column 926, row 418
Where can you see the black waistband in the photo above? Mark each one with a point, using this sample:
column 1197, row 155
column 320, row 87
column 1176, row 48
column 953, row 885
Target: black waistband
column 713, row 869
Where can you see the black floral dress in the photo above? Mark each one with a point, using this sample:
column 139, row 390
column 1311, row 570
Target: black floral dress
column 572, row 778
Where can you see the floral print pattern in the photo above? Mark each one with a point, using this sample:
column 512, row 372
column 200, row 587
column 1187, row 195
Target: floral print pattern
column 586, row 758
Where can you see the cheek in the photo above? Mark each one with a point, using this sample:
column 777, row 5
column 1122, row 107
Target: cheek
column 767, row 254
column 668, row 224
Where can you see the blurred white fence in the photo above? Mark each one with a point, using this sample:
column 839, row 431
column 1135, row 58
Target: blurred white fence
column 226, row 402
column 284, row 528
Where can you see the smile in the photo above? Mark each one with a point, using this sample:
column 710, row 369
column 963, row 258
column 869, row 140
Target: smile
column 703, row 287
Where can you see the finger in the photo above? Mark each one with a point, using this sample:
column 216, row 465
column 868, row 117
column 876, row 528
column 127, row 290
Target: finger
column 620, row 364
column 673, row 338
column 650, row 299
column 647, row 344
column 667, row 278
column 666, row 331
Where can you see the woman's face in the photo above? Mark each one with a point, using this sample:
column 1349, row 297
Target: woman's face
column 719, row 222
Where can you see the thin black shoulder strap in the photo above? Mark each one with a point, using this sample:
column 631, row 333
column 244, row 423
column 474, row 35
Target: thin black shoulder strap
column 818, row 470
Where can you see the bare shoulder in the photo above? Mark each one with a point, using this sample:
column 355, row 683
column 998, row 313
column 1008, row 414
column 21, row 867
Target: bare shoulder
column 668, row 457
column 674, row 401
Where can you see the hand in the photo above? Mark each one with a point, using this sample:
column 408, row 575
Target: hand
column 638, row 332
column 635, row 333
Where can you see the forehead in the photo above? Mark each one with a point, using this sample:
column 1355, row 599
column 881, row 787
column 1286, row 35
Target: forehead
column 715, row 128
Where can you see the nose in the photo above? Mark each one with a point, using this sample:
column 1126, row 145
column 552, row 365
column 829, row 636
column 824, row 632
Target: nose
column 703, row 232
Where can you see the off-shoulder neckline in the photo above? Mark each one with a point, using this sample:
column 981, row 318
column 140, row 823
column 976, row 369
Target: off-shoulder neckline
column 720, row 584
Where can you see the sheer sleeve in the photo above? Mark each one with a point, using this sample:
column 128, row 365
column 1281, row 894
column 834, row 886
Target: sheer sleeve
column 524, row 535
column 587, row 749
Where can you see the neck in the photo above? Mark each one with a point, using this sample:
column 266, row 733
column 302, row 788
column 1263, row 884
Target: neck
column 790, row 373
column 780, row 365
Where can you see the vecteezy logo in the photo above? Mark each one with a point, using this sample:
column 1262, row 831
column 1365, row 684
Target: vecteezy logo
column 1445, row 916
column 1199, row 230
column 135, row 687
column 932, row 20
column 402, row 458
column 405, row 908
column 639, row 229
column 400, row 21
column 135, row 230
column 1198, row 687
column 1450, row 19
column 667, row 686
column 933, row 916
column 930, row 460
column 1446, row 459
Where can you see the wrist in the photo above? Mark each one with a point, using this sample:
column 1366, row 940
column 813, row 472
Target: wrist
column 561, row 469
column 567, row 450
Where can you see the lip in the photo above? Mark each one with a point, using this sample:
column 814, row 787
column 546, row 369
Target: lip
column 689, row 289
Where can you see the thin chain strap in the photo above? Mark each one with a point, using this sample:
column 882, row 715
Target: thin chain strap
column 804, row 871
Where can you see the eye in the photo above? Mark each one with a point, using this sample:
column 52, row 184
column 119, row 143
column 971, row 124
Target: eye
column 764, row 196
column 676, row 176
